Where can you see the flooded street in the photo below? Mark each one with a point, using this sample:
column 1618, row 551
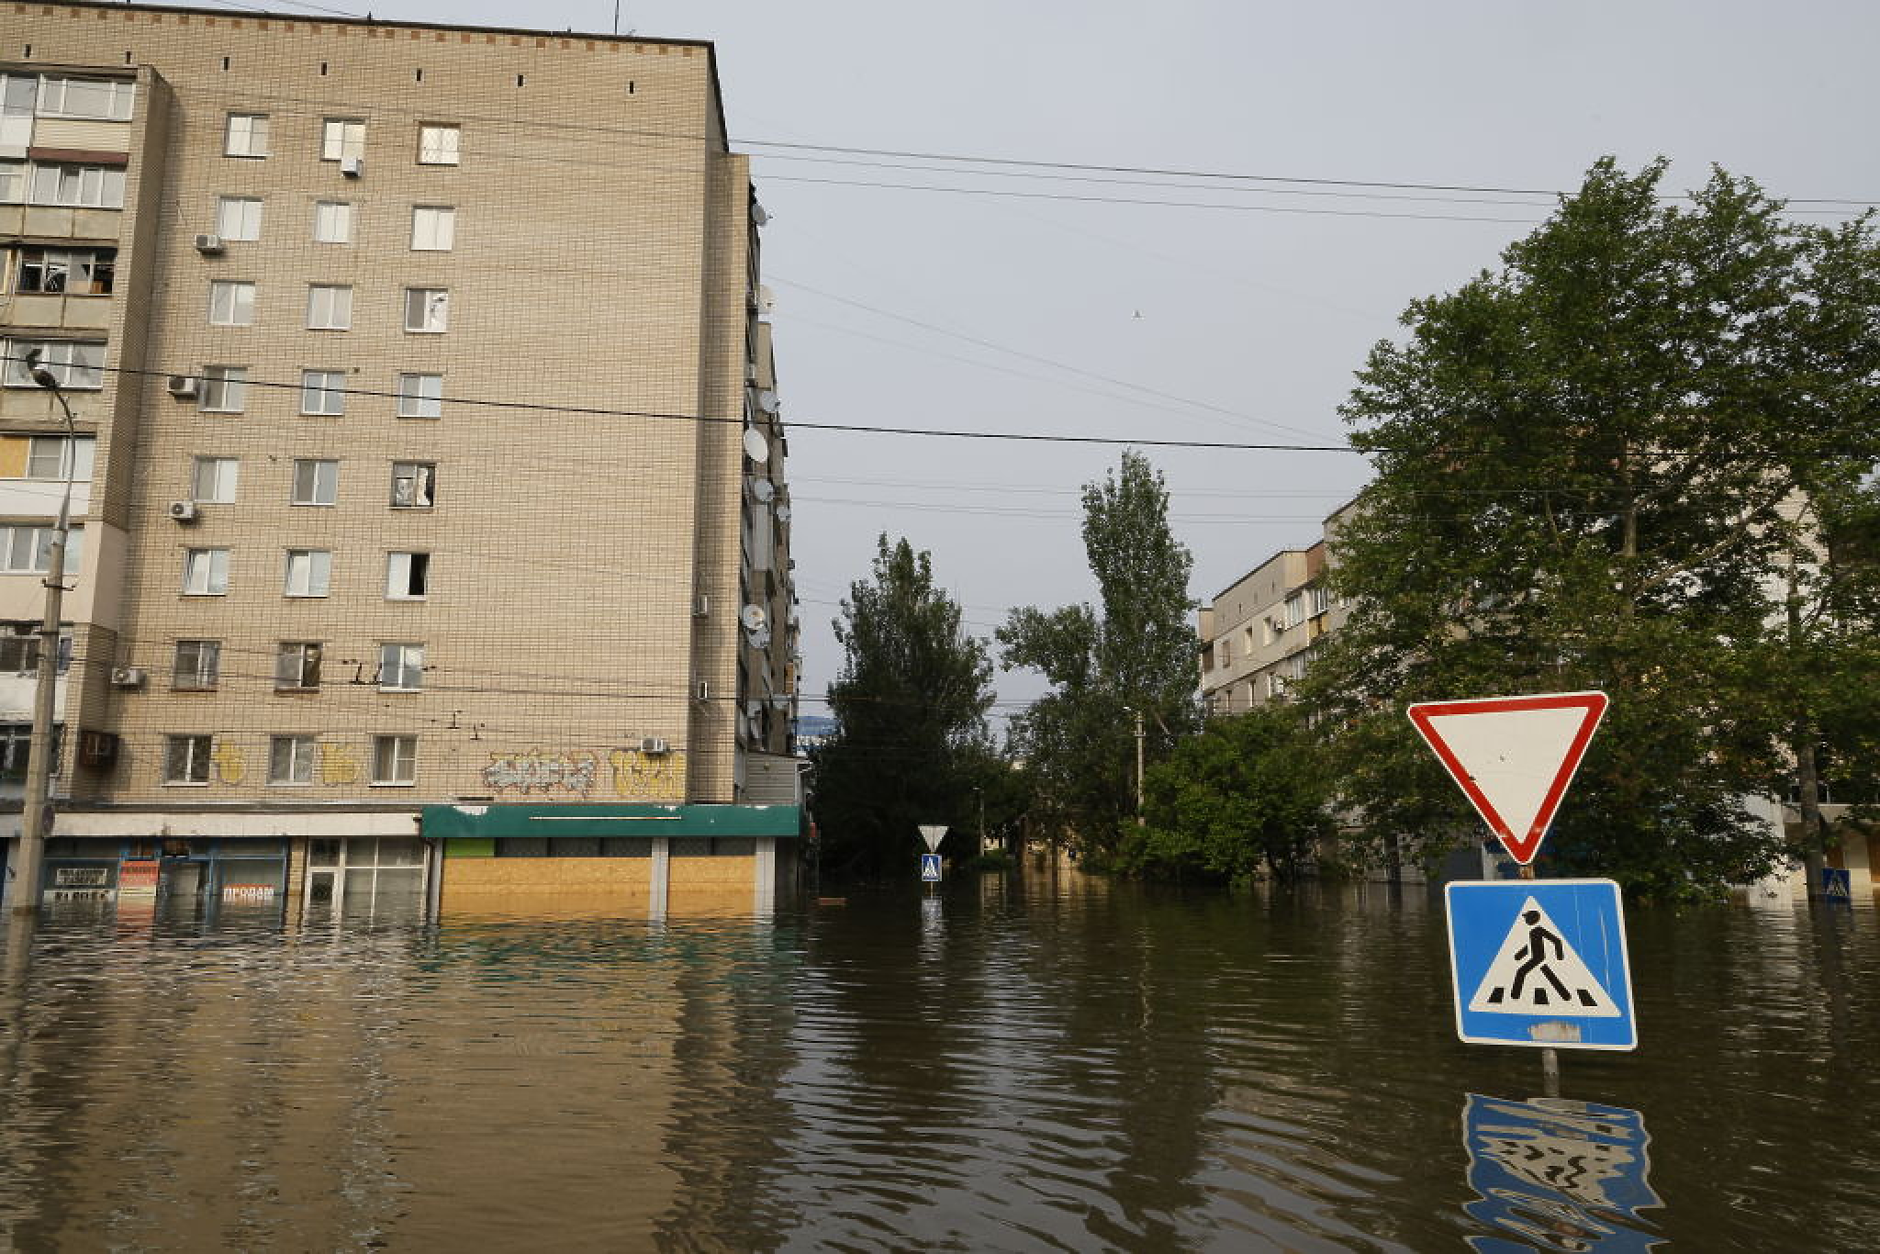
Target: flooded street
column 1016, row 1064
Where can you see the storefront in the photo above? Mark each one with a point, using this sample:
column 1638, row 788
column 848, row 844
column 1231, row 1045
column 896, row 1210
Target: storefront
column 197, row 877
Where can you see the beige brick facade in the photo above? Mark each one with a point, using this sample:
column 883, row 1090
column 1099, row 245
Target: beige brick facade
column 585, row 571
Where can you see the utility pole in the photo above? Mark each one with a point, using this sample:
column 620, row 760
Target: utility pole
column 1139, row 734
column 35, row 813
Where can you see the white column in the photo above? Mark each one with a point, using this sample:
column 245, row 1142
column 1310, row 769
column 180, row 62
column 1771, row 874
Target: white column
column 656, row 892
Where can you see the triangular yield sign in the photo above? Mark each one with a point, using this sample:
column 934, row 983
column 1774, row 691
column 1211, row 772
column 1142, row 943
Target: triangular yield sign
column 1512, row 756
column 1537, row 972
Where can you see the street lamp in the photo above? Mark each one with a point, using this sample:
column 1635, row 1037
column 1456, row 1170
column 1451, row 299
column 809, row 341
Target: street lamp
column 36, row 809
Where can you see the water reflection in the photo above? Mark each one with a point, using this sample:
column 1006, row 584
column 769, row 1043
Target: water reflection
column 1045, row 1062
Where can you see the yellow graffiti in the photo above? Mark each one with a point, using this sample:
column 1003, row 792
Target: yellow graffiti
column 338, row 765
column 230, row 766
column 642, row 777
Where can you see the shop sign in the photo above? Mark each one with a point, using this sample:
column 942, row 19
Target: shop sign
column 81, row 876
column 138, row 879
column 248, row 892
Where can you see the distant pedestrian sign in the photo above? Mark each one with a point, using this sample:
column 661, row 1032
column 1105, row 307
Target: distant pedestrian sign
column 1541, row 962
column 1837, row 884
column 930, row 868
column 1513, row 757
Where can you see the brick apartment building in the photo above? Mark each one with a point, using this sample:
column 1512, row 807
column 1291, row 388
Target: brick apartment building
column 431, row 529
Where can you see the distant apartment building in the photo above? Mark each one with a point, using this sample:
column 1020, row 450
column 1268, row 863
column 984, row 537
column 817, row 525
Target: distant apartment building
column 1258, row 635
column 432, row 536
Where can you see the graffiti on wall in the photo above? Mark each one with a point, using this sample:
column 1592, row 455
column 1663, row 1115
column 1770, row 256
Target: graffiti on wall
column 230, row 766
column 634, row 775
column 338, row 765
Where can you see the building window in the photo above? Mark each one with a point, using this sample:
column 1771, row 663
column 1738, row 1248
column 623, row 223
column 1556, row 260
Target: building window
column 231, row 304
column 238, row 218
column 316, row 481
column 332, row 222
column 198, row 664
column 308, row 572
column 16, row 741
column 414, row 485
column 104, row 100
column 214, row 481
column 27, row 550
column 205, row 572
column 77, row 366
column 247, row 135
column 329, row 307
column 297, row 665
column 427, row 309
column 438, row 144
column 394, row 759
column 323, row 392
column 12, row 182
column 401, row 667
column 420, row 396
column 186, row 760
column 1321, row 599
column 407, row 575
column 224, row 389
column 51, row 456
column 342, row 137
column 290, row 759
column 19, row 654
column 1295, row 609
column 433, row 228
column 73, row 271
column 79, row 186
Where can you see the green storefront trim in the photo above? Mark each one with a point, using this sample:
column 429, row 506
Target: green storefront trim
column 483, row 823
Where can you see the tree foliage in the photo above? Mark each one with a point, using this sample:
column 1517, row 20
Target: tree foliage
column 1248, row 795
column 1589, row 463
column 910, row 705
column 1133, row 652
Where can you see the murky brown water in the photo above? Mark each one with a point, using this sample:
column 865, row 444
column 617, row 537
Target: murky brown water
column 1045, row 1065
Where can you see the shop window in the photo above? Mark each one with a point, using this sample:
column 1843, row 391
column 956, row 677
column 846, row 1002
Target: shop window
column 522, row 847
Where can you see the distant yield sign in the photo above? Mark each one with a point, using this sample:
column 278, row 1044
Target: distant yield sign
column 1512, row 756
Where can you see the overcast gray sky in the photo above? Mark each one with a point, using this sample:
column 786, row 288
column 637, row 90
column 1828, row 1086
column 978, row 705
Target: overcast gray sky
column 1252, row 318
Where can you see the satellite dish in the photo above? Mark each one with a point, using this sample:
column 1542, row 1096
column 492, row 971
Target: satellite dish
column 756, row 447
column 783, row 513
column 753, row 618
column 767, row 401
column 763, row 490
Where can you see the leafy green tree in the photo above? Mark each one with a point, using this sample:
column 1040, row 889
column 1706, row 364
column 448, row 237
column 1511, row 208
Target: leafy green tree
column 1588, row 466
column 1132, row 654
column 910, row 706
column 1246, row 795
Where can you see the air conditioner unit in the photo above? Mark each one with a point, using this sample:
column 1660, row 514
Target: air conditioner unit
column 654, row 747
column 352, row 167
column 184, row 511
column 702, row 690
column 209, row 245
column 127, row 677
column 183, row 385
column 701, row 605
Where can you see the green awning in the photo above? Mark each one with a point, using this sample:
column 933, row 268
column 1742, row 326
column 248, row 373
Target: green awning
column 486, row 821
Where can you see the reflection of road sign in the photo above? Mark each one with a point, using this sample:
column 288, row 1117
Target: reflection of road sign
column 1513, row 756
column 930, row 868
column 1563, row 1174
column 933, row 834
column 1541, row 962
column 1837, row 884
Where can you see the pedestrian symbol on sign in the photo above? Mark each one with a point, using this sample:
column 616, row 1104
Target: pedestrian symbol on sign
column 1536, row 971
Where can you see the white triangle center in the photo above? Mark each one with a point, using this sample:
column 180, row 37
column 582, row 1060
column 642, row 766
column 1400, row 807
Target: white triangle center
column 1512, row 756
column 1536, row 972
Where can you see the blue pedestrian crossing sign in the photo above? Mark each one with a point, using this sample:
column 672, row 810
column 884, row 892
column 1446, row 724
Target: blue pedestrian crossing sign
column 930, row 868
column 1541, row 963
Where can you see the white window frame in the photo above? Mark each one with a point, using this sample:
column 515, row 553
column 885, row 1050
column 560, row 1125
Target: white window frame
column 54, row 98
column 401, row 667
column 26, row 548
column 420, row 396
column 323, row 393
column 398, row 575
column 224, row 389
column 77, row 364
column 15, row 178
column 316, row 481
column 301, row 751
column 205, row 572
column 231, row 303
column 238, row 218
column 307, row 573
column 197, row 665
column 414, row 485
column 440, row 143
column 246, row 135
column 427, row 310
column 329, row 306
column 198, row 750
column 337, row 217
column 67, row 185
column 303, row 658
column 215, row 480
column 77, row 455
column 341, row 138
column 394, row 761
column 433, row 228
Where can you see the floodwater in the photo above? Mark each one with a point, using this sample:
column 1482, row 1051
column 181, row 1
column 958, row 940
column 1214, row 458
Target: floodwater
column 1015, row 1064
